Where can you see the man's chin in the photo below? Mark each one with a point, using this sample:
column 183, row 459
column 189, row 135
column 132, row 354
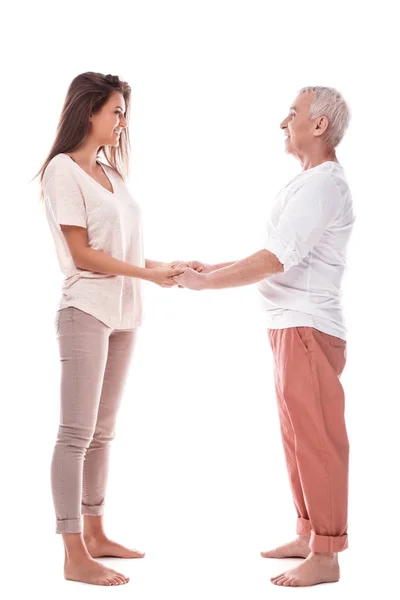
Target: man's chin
column 289, row 147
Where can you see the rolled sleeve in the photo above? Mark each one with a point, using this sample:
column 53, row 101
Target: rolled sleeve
column 286, row 254
column 65, row 198
column 305, row 218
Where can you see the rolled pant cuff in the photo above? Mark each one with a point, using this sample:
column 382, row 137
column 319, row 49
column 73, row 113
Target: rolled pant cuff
column 69, row 526
column 303, row 527
column 94, row 511
column 328, row 543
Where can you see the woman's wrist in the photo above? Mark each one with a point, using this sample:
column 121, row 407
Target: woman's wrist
column 142, row 273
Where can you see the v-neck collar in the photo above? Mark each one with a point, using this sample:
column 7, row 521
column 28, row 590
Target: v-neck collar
column 92, row 178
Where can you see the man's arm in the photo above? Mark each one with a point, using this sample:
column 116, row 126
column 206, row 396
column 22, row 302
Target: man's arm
column 301, row 225
column 223, row 265
column 250, row 270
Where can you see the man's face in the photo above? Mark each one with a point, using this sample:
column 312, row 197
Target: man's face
column 298, row 127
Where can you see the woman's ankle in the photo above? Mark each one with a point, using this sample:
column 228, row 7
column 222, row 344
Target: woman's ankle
column 75, row 547
column 93, row 527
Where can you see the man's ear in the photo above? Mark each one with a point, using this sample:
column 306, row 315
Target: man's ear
column 321, row 125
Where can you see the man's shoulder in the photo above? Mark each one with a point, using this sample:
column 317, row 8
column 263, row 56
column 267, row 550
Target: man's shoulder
column 328, row 180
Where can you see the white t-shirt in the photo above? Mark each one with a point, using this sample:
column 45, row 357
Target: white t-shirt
column 308, row 230
column 113, row 223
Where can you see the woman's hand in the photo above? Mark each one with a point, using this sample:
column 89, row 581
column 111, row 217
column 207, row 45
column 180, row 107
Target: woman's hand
column 163, row 276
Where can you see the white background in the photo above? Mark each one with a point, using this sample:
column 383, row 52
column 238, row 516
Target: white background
column 198, row 479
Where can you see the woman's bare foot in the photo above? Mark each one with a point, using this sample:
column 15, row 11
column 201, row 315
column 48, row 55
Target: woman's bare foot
column 296, row 549
column 80, row 566
column 90, row 571
column 99, row 547
column 317, row 568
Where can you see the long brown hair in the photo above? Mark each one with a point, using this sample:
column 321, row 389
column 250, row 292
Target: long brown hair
column 86, row 95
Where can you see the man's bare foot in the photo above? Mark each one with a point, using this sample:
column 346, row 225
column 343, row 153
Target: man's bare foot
column 99, row 547
column 317, row 568
column 90, row 571
column 296, row 549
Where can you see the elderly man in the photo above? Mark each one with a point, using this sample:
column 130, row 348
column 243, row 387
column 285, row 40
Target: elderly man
column 300, row 270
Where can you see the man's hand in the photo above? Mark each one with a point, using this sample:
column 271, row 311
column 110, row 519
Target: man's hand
column 193, row 264
column 202, row 267
column 192, row 280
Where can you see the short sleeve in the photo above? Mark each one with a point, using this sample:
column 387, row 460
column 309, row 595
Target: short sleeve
column 65, row 197
column 305, row 218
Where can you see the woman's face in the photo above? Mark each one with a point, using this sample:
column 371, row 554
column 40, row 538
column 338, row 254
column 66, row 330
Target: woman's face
column 108, row 123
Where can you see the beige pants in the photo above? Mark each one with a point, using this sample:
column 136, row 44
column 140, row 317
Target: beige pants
column 94, row 366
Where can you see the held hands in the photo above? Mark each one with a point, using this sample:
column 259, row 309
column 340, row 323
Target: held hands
column 192, row 280
column 184, row 274
column 164, row 276
column 193, row 276
column 195, row 265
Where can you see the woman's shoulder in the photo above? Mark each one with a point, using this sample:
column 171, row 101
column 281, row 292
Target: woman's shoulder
column 60, row 163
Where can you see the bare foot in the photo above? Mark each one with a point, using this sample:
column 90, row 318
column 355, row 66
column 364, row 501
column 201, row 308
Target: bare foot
column 90, row 571
column 296, row 549
column 99, row 547
column 317, row 568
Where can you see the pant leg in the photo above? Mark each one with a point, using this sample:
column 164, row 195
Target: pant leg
column 310, row 364
column 83, row 346
column 95, row 472
column 288, row 439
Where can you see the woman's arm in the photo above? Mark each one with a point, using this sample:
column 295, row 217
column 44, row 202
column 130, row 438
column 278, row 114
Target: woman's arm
column 89, row 259
column 155, row 264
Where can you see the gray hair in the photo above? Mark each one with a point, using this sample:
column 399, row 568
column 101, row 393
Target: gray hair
column 329, row 103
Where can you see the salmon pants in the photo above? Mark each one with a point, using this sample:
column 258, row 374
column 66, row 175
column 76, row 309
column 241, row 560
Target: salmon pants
column 308, row 365
column 95, row 363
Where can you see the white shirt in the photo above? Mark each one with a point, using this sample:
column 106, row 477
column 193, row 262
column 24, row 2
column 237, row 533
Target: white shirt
column 113, row 223
column 308, row 230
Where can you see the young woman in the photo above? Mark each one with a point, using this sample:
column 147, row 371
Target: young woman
column 96, row 226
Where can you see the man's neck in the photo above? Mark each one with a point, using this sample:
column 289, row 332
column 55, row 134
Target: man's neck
column 313, row 159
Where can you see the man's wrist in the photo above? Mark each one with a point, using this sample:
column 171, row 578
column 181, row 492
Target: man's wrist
column 208, row 280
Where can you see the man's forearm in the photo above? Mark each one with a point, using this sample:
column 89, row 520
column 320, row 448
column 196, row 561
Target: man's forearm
column 223, row 265
column 250, row 270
